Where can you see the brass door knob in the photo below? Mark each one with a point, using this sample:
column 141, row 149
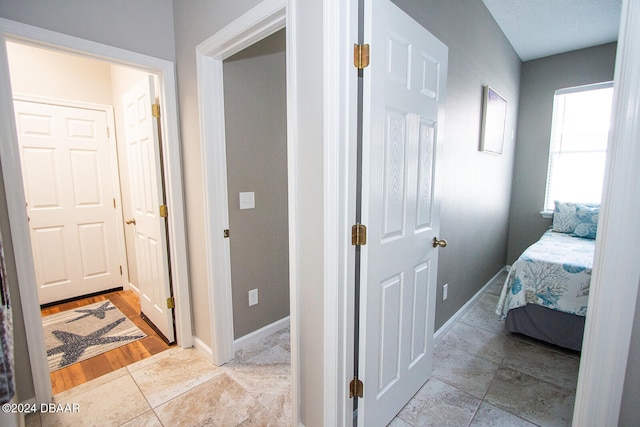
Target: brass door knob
column 131, row 221
column 439, row 242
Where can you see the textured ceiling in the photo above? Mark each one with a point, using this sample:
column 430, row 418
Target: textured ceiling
column 538, row 28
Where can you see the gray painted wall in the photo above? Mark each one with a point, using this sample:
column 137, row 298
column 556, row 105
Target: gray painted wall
column 121, row 23
column 256, row 128
column 195, row 21
column 476, row 186
column 143, row 26
column 540, row 79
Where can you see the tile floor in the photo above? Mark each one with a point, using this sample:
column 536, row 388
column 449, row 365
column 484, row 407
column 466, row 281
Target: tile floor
column 486, row 376
column 483, row 376
column 180, row 387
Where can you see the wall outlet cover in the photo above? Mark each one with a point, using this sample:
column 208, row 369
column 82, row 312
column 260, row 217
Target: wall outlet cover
column 253, row 297
column 247, row 200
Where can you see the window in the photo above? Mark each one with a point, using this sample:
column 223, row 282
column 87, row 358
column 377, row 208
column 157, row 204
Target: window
column 579, row 134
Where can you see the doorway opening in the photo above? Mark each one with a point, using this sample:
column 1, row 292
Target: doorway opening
column 83, row 173
column 256, row 159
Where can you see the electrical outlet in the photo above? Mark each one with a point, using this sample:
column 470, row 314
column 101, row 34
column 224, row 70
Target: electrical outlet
column 253, row 297
column 445, row 291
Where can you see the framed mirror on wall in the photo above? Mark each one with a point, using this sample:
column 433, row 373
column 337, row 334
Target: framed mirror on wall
column 494, row 115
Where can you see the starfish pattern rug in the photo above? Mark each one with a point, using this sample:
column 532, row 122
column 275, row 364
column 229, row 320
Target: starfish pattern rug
column 81, row 333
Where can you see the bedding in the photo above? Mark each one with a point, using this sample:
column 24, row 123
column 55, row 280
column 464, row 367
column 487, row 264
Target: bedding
column 554, row 272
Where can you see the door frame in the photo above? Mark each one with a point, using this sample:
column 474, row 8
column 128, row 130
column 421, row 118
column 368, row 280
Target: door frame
column 605, row 355
column 113, row 164
column 165, row 70
column 258, row 23
column 339, row 169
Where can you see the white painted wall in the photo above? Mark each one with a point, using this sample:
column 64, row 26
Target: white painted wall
column 145, row 27
column 50, row 74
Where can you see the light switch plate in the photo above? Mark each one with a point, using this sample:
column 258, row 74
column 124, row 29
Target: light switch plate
column 247, row 200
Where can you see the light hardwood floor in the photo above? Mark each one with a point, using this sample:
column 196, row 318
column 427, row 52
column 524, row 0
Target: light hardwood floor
column 86, row 370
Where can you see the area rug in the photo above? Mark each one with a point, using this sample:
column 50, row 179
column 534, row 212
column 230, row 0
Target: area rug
column 81, row 333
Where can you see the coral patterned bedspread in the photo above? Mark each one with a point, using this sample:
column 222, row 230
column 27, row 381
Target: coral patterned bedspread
column 554, row 272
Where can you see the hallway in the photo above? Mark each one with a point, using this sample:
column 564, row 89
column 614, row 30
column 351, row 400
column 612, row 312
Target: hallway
column 180, row 387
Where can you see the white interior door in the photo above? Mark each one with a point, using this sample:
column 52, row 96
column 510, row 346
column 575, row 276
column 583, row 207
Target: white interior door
column 145, row 183
column 404, row 90
column 68, row 182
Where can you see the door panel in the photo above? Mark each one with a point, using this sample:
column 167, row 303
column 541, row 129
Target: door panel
column 145, row 181
column 404, row 87
column 68, row 183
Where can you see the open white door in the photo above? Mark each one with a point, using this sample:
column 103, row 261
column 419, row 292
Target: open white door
column 145, row 183
column 69, row 187
column 404, row 91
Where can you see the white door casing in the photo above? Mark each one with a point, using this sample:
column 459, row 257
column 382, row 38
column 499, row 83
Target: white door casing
column 69, row 186
column 145, row 181
column 404, row 92
column 9, row 152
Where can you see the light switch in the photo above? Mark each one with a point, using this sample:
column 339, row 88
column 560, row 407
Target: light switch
column 247, row 200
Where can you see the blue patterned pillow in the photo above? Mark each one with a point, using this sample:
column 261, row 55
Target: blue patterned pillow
column 564, row 217
column 587, row 221
column 567, row 220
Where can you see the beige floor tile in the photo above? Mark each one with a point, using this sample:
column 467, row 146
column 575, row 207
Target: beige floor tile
column 89, row 385
column 32, row 420
column 530, row 398
column 277, row 413
column 399, row 422
column 491, row 416
column 220, row 401
column 265, row 383
column 439, row 404
column 280, row 338
column 148, row 419
column 469, row 373
column 482, row 314
column 155, row 358
column 543, row 363
column 110, row 404
column 496, row 285
column 173, row 375
column 275, row 355
column 482, row 342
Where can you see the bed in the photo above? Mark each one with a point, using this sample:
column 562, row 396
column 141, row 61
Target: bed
column 546, row 292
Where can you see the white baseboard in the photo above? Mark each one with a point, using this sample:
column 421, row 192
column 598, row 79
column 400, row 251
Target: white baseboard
column 256, row 336
column 461, row 312
column 204, row 349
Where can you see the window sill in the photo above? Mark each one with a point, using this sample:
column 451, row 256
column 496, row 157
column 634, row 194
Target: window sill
column 546, row 214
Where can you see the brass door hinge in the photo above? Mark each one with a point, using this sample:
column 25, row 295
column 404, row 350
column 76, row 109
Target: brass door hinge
column 171, row 302
column 356, row 388
column 359, row 235
column 155, row 110
column 225, row 233
column 361, row 56
column 121, row 270
column 163, row 211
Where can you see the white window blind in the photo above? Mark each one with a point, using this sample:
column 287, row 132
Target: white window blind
column 578, row 149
